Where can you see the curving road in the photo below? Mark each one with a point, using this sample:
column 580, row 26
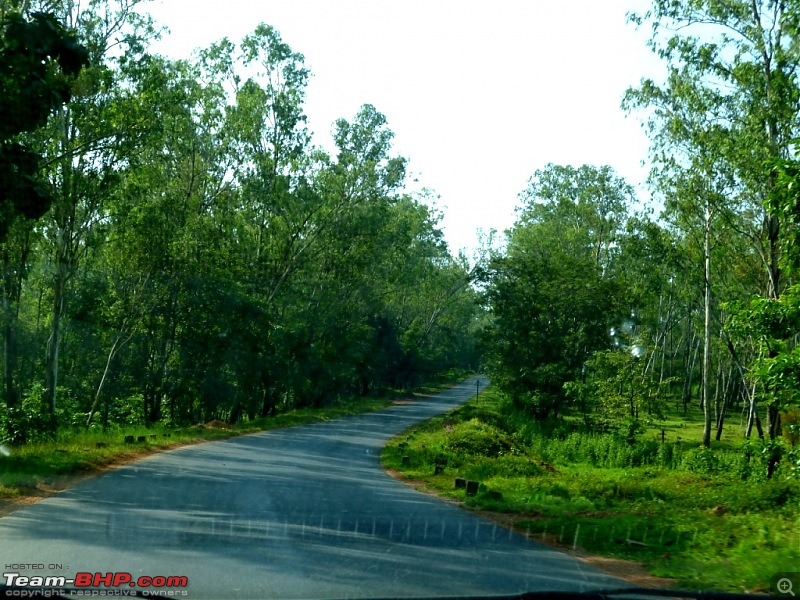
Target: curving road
column 305, row 512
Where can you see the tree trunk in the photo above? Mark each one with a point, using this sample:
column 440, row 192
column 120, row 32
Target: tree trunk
column 51, row 360
column 727, row 392
column 707, row 332
column 9, row 336
column 10, row 362
column 236, row 411
column 752, row 416
column 12, row 287
column 687, row 390
column 115, row 347
column 773, row 422
column 717, row 388
column 664, row 334
column 64, row 218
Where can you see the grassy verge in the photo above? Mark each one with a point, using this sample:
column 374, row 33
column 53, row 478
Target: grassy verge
column 41, row 468
column 683, row 513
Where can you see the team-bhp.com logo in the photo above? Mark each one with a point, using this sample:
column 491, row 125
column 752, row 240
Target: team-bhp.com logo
column 99, row 580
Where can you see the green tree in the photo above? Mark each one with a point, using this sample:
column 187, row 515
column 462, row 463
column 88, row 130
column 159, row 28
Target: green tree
column 728, row 105
column 551, row 297
column 202, row 260
column 771, row 324
column 84, row 144
column 615, row 384
column 39, row 61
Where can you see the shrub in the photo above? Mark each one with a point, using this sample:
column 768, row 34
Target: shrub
column 666, row 456
column 127, row 411
column 701, row 460
column 29, row 422
column 475, row 438
column 644, row 452
column 510, row 465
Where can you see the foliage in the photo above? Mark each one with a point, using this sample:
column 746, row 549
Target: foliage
column 771, row 323
column 476, row 438
column 78, row 451
column 615, row 380
column 39, row 60
column 726, row 108
column 790, row 424
column 200, row 258
column 551, row 298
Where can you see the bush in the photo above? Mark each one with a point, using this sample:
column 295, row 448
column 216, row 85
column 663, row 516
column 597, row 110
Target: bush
column 475, row 438
column 755, row 457
column 127, row 411
column 510, row 465
column 666, row 456
column 644, row 452
column 603, row 450
column 792, row 464
column 701, row 460
column 29, row 422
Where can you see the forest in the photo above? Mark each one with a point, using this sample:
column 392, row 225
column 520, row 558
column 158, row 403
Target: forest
column 175, row 250
column 643, row 352
column 622, row 311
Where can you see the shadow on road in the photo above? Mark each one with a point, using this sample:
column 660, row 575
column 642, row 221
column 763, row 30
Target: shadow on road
column 302, row 512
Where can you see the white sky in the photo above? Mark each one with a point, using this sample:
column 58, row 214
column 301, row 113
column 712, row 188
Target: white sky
column 478, row 94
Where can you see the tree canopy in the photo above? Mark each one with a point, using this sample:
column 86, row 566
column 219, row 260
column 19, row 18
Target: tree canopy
column 196, row 257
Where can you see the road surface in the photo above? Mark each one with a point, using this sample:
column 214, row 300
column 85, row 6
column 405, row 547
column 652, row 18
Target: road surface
column 305, row 512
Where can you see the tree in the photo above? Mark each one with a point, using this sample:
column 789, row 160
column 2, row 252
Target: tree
column 551, row 298
column 727, row 106
column 772, row 323
column 157, row 222
column 202, row 261
column 83, row 147
column 614, row 383
column 39, row 61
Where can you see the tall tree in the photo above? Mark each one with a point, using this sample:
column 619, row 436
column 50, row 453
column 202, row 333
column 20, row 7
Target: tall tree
column 39, row 61
column 730, row 96
column 81, row 147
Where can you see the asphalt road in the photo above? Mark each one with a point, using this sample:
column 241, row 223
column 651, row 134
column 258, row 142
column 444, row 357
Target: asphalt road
column 305, row 512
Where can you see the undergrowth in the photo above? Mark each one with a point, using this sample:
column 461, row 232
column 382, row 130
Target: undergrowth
column 708, row 518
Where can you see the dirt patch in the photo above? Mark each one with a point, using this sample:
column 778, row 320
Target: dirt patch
column 30, row 494
column 630, row 571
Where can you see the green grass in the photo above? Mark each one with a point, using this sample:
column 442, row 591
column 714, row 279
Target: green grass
column 77, row 453
column 709, row 520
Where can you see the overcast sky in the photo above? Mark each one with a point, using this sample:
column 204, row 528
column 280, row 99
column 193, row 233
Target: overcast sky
column 478, row 94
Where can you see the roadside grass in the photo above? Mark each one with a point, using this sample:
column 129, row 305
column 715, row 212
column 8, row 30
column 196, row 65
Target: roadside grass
column 709, row 520
column 78, row 453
